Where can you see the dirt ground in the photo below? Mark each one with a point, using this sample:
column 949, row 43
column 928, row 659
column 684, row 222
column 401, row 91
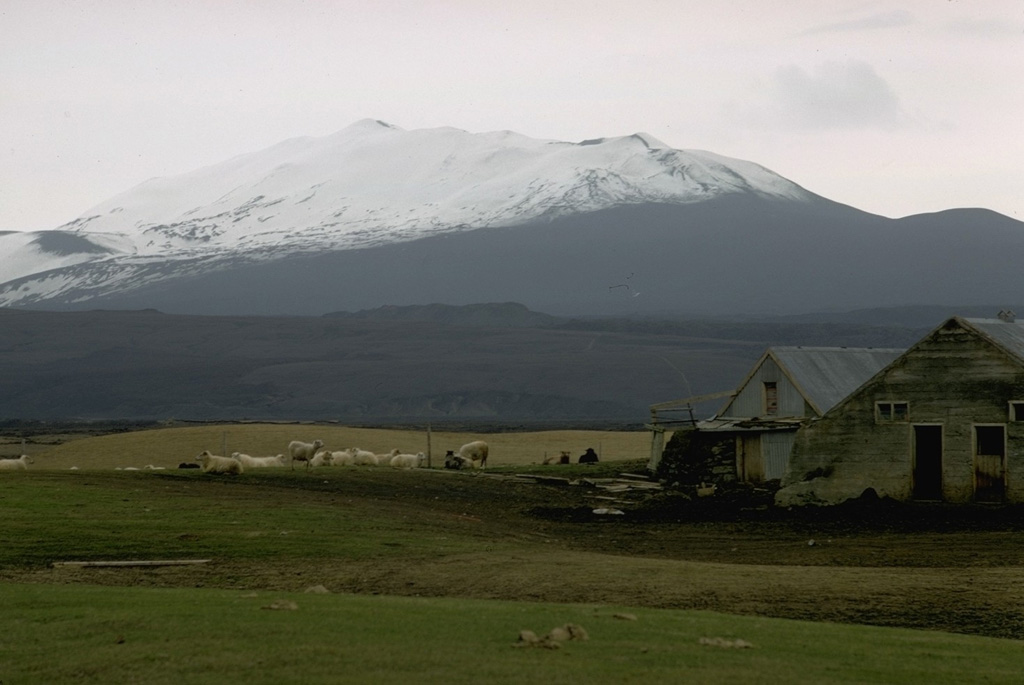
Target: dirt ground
column 958, row 569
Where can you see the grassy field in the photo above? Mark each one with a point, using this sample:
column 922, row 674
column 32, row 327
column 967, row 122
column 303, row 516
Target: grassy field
column 61, row 634
column 170, row 446
column 431, row 576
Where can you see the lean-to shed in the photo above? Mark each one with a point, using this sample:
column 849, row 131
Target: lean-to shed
column 787, row 387
column 944, row 421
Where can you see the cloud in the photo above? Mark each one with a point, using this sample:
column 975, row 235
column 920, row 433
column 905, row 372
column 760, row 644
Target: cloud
column 985, row 28
column 885, row 20
column 835, row 95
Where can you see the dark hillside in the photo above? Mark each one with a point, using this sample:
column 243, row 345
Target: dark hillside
column 147, row 365
column 722, row 259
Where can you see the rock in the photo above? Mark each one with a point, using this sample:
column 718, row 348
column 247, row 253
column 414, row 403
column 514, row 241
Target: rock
column 281, row 605
column 722, row 642
column 317, row 590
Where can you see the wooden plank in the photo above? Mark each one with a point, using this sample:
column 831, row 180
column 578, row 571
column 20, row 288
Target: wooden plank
column 637, row 476
column 122, row 564
column 687, row 401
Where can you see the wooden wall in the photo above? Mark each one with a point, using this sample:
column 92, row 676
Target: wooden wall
column 954, row 379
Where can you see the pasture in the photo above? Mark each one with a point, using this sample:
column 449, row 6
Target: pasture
column 431, row 574
column 178, row 635
column 168, row 447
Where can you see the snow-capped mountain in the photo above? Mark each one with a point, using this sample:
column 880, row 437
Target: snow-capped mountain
column 375, row 215
column 374, row 184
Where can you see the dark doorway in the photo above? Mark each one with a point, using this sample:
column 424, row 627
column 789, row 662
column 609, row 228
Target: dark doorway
column 928, row 462
column 989, row 463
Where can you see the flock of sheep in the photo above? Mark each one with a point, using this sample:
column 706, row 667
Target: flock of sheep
column 313, row 454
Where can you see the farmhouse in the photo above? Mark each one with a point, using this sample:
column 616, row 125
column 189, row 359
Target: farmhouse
column 750, row 439
column 944, row 421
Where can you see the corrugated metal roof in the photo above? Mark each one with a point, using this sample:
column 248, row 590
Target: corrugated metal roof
column 1008, row 335
column 826, row 375
column 717, row 425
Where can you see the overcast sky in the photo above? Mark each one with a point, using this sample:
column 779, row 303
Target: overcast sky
column 896, row 108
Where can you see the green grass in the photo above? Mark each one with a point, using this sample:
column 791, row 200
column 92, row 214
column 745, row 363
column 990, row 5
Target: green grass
column 56, row 633
column 55, row 516
column 60, row 634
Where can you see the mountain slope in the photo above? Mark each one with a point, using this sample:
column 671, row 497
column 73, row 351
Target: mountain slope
column 422, row 364
column 373, row 183
column 369, row 185
column 727, row 257
column 374, row 215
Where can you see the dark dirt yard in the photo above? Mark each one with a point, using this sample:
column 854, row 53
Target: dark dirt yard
column 958, row 569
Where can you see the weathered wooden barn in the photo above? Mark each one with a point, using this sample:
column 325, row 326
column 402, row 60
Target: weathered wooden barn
column 750, row 439
column 944, row 421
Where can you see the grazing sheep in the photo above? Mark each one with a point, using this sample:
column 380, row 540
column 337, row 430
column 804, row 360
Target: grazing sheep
column 476, row 451
column 19, row 464
column 408, row 461
column 455, row 461
column 211, row 463
column 303, row 451
column 258, row 462
column 186, row 465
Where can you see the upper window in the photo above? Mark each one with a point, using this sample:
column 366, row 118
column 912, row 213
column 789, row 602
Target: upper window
column 1017, row 411
column 889, row 412
column 771, row 398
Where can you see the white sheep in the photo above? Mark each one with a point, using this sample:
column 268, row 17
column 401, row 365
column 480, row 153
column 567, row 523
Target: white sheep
column 211, row 463
column 250, row 462
column 303, row 451
column 150, row 467
column 321, row 458
column 19, row 464
column 408, row 461
column 382, row 459
column 361, row 457
column 343, row 458
column 476, row 451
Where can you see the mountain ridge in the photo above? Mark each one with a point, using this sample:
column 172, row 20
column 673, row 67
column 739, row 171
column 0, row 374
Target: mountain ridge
column 375, row 215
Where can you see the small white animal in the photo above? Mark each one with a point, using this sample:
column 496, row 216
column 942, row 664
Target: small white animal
column 19, row 464
column 408, row 461
column 212, row 463
column 303, row 451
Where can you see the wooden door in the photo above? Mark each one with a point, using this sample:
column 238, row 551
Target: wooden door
column 750, row 462
column 928, row 462
column 989, row 463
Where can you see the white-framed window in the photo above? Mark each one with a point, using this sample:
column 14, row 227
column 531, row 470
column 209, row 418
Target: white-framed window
column 1017, row 410
column 892, row 412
